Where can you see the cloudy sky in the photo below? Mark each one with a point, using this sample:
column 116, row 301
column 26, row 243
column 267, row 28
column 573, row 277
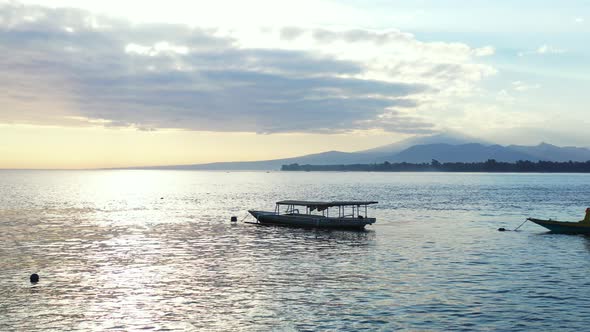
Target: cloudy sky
column 121, row 83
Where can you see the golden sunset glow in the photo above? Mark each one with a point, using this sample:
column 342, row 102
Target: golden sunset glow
column 27, row 146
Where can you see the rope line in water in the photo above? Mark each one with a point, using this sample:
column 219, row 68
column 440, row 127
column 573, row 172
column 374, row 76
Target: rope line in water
column 521, row 224
column 246, row 216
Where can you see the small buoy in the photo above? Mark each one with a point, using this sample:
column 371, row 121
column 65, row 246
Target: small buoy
column 502, row 229
column 234, row 219
column 34, row 278
column 161, row 197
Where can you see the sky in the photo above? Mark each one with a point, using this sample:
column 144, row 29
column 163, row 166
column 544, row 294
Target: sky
column 89, row 84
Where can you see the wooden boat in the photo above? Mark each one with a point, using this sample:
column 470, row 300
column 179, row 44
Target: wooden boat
column 287, row 213
column 566, row 227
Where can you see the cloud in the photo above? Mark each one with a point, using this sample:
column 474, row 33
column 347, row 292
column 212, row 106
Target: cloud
column 290, row 33
column 358, row 35
column 450, row 68
column 543, row 50
column 396, row 38
column 521, row 86
column 505, row 97
column 546, row 49
column 579, row 20
column 71, row 67
column 484, row 51
column 509, row 95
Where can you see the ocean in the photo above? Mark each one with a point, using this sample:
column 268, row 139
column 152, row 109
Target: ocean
column 155, row 250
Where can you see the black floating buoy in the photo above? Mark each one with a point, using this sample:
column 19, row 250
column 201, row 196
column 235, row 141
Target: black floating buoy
column 501, row 229
column 161, row 197
column 34, row 278
column 234, row 219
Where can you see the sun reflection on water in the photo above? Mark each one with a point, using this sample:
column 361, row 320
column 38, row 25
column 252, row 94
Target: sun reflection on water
column 129, row 250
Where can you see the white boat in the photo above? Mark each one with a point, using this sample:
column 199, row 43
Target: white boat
column 314, row 214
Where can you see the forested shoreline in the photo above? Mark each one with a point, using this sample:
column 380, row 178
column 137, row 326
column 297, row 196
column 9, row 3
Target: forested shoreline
column 436, row 166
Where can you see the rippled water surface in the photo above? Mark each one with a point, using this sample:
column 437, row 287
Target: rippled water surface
column 130, row 250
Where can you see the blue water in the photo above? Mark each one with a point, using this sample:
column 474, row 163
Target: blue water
column 155, row 250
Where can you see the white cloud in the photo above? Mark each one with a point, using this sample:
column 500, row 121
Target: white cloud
column 451, row 68
column 205, row 13
column 543, row 50
column 521, row 86
column 484, row 51
column 579, row 20
column 547, row 49
column 156, row 49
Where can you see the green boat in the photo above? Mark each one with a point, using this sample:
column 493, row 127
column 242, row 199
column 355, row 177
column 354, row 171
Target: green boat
column 349, row 214
column 566, row 227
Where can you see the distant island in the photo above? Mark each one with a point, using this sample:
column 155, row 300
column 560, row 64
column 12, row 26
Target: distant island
column 459, row 152
column 490, row 165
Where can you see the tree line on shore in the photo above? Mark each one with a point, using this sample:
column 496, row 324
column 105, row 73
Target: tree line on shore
column 491, row 165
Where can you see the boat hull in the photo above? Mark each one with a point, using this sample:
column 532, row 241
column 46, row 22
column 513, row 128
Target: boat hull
column 310, row 221
column 563, row 227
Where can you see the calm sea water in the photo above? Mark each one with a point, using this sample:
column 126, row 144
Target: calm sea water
column 155, row 250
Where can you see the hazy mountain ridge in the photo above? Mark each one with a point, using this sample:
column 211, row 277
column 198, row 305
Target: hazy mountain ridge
column 443, row 138
column 323, row 158
column 442, row 147
column 545, row 150
column 471, row 152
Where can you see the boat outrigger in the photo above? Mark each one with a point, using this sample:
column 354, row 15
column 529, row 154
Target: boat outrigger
column 566, row 227
column 287, row 213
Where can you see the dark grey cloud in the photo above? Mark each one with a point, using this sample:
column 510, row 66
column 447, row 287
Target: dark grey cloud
column 174, row 76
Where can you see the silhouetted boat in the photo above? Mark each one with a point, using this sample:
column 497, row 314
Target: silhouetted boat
column 566, row 227
column 348, row 216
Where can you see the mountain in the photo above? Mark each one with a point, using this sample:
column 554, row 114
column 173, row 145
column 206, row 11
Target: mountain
column 473, row 152
column 324, row 158
column 446, row 147
column 378, row 154
column 442, row 138
column 554, row 153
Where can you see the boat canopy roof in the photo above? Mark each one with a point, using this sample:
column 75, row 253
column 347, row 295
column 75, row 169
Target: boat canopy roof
column 324, row 205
